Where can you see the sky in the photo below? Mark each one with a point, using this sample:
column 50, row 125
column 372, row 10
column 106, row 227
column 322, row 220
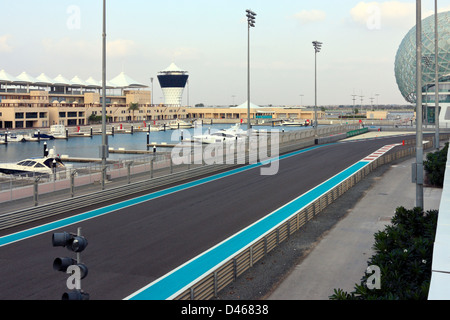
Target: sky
column 209, row 39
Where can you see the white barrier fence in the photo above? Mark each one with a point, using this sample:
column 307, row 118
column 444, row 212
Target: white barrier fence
column 440, row 268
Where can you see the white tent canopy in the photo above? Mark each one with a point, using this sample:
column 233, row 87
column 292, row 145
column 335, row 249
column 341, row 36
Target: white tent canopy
column 43, row 79
column 6, row 77
column 60, row 80
column 92, row 83
column 119, row 82
column 245, row 105
column 124, row 81
column 25, row 78
column 76, row 81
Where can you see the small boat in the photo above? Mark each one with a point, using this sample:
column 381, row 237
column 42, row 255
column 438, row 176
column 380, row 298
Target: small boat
column 215, row 137
column 291, row 122
column 48, row 164
column 42, row 136
column 156, row 128
column 58, row 131
column 232, row 134
column 236, row 130
column 180, row 124
column 12, row 137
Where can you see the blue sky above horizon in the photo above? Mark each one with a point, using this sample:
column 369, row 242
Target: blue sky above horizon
column 208, row 38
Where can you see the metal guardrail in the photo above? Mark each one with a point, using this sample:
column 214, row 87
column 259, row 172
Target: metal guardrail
column 12, row 219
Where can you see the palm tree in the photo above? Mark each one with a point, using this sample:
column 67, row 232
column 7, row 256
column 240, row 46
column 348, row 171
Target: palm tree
column 133, row 107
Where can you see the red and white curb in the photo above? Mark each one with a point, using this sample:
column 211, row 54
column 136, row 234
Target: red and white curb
column 375, row 155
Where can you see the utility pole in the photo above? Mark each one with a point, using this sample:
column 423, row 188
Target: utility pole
column 419, row 115
column 436, row 76
column 104, row 147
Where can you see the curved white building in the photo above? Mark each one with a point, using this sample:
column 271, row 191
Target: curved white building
column 172, row 81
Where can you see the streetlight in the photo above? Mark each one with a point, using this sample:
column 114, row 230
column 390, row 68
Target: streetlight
column 317, row 46
column 427, row 61
column 436, row 76
column 104, row 147
column 251, row 23
column 419, row 137
column 151, row 80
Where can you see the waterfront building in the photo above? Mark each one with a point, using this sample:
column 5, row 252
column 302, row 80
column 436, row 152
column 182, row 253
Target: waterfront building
column 28, row 102
column 258, row 113
column 405, row 67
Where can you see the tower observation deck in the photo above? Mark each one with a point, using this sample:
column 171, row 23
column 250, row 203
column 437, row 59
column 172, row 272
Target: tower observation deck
column 172, row 81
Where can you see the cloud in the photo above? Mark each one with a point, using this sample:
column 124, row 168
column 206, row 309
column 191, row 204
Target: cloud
column 181, row 53
column 69, row 47
column 376, row 15
column 310, row 16
column 4, row 46
column 120, row 48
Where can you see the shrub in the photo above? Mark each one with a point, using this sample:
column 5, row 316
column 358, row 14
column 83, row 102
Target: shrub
column 403, row 253
column 435, row 166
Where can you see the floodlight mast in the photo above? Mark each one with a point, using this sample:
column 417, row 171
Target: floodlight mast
column 317, row 46
column 251, row 24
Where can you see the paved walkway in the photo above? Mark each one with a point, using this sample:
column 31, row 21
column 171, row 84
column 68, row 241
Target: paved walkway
column 340, row 259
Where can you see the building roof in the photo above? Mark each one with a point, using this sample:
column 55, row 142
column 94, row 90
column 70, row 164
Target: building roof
column 6, row 77
column 120, row 81
column 25, row 78
column 77, row 81
column 244, row 106
column 43, row 79
column 60, row 80
column 173, row 68
column 124, row 81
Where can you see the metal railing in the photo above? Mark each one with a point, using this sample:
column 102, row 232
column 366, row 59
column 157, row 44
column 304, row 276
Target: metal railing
column 21, row 192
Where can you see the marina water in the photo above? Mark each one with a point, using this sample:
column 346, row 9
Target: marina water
column 88, row 147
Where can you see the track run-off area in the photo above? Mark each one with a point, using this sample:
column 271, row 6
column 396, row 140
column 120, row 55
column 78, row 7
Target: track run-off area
column 154, row 246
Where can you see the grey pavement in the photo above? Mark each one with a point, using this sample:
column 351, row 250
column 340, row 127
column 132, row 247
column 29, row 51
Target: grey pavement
column 339, row 259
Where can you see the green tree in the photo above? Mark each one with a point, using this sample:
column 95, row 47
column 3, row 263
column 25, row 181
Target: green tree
column 133, row 107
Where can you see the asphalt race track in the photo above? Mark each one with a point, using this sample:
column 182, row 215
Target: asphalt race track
column 131, row 247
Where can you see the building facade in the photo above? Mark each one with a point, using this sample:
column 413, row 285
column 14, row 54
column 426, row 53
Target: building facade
column 40, row 109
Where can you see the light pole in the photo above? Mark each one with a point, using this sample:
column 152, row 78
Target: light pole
column 419, row 137
column 104, row 147
column 251, row 23
column 151, row 80
column 427, row 61
column 317, row 46
column 436, row 76
column 301, row 100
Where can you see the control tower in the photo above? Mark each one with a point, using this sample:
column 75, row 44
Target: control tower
column 172, row 81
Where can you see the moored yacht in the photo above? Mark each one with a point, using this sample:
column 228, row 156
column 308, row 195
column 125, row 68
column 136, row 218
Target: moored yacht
column 34, row 166
column 180, row 124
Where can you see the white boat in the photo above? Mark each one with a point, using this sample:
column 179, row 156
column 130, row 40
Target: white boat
column 32, row 137
column 215, row 137
column 291, row 122
column 156, row 128
column 236, row 130
column 12, row 137
column 232, row 134
column 34, row 166
column 58, row 131
column 180, row 124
